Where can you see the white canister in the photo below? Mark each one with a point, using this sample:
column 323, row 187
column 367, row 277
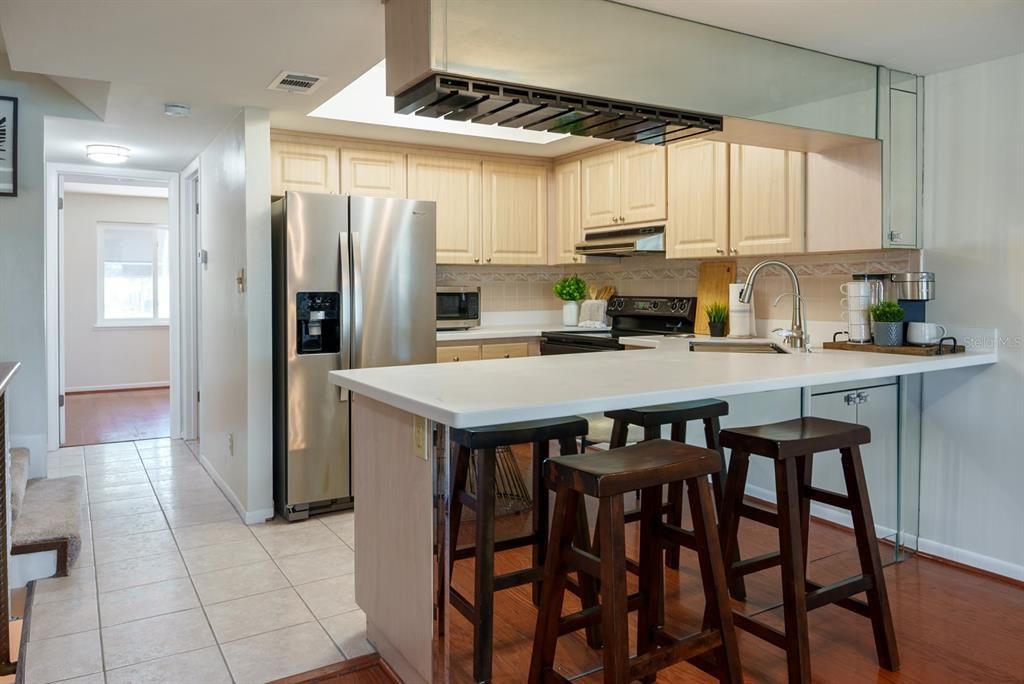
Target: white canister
column 570, row 314
column 741, row 316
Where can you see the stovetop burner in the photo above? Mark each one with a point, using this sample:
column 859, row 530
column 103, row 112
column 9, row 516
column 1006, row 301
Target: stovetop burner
column 631, row 316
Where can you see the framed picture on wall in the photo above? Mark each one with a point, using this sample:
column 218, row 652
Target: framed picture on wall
column 8, row 146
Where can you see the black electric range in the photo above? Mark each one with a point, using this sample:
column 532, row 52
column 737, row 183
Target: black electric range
column 631, row 317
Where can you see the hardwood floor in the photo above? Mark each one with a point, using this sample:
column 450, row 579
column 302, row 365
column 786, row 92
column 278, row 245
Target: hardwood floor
column 952, row 625
column 369, row 669
column 121, row 416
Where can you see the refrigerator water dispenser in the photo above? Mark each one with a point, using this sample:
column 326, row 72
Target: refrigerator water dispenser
column 318, row 326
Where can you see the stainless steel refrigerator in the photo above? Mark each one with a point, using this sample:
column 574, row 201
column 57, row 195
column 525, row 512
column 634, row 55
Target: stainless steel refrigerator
column 354, row 282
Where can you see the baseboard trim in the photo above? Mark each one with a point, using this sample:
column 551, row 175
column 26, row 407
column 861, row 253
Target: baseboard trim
column 126, row 387
column 250, row 517
column 969, row 560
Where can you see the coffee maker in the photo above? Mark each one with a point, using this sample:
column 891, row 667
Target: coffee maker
column 909, row 290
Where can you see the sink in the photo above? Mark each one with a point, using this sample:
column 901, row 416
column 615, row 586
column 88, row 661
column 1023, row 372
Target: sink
column 742, row 347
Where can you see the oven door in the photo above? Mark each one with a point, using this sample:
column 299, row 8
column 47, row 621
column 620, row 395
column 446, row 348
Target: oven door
column 549, row 347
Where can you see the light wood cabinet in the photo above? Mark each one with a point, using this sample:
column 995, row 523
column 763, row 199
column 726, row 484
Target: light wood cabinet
column 623, row 186
column 454, row 184
column 370, row 173
column 766, row 200
column 600, row 190
column 515, row 213
column 468, row 352
column 698, row 200
column 510, row 350
column 567, row 229
column 303, row 167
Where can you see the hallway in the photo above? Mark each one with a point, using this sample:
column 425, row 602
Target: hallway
column 122, row 416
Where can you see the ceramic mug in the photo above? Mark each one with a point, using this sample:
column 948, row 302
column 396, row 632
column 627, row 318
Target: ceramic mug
column 857, row 317
column 872, row 289
column 855, row 303
column 925, row 333
column 859, row 332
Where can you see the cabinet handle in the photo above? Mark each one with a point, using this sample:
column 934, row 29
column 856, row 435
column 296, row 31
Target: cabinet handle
column 615, row 219
column 488, row 259
column 733, row 251
column 455, row 359
column 476, row 260
column 507, row 356
column 850, row 399
column 862, row 397
column 622, row 219
column 719, row 250
column 575, row 259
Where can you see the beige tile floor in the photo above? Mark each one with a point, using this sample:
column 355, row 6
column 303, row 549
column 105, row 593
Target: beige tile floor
column 171, row 586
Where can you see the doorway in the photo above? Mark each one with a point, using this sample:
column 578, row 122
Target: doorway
column 112, row 304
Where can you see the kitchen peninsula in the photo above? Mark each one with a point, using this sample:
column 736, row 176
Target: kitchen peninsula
column 395, row 468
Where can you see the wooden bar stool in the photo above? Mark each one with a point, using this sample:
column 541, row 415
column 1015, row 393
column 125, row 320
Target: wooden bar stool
column 792, row 445
column 651, row 419
column 483, row 443
column 647, row 466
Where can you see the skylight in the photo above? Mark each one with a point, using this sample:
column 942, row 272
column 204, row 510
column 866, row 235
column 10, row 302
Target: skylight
column 364, row 101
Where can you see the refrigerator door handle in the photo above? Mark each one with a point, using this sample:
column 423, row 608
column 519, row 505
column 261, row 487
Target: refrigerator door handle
column 346, row 310
column 357, row 303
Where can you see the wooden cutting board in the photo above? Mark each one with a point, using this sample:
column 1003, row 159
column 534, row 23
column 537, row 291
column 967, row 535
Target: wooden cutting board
column 930, row 350
column 712, row 286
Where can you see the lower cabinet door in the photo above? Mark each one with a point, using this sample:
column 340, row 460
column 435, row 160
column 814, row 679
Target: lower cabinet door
column 468, row 352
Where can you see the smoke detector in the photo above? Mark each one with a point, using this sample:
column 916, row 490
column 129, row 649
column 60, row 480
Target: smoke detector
column 177, row 111
column 295, row 82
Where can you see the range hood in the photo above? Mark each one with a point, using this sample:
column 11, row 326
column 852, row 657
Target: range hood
column 517, row 106
column 627, row 242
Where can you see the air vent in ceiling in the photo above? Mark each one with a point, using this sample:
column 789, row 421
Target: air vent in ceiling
column 294, row 82
column 516, row 106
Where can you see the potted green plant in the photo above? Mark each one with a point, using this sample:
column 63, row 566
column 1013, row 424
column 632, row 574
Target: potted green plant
column 571, row 289
column 888, row 323
column 718, row 314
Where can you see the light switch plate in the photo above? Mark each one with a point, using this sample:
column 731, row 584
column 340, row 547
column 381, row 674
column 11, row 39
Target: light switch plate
column 420, row 438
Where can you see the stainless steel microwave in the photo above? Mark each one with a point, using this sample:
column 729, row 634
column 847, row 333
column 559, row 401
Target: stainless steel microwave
column 458, row 308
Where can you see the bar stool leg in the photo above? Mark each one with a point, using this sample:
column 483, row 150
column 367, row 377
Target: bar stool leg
column 804, row 471
column 712, row 426
column 732, row 503
column 712, row 572
column 614, row 609
column 794, row 587
column 620, row 431
column 483, row 599
column 652, row 579
column 545, row 639
column 675, row 501
column 588, row 585
column 446, row 561
column 541, row 450
column 870, row 562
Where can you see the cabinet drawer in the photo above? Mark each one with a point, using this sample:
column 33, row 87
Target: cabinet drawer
column 468, row 352
column 512, row 350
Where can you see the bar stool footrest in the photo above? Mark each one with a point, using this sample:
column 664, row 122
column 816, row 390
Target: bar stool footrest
column 679, row 650
column 592, row 616
column 758, row 514
column 756, row 564
column 464, row 552
column 840, row 593
column 759, row 629
column 826, row 497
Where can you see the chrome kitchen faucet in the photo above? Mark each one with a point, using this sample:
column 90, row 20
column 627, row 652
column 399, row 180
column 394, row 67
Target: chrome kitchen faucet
column 796, row 336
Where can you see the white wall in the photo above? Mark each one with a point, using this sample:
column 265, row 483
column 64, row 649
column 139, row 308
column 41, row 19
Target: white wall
column 973, row 444
column 236, row 365
column 22, row 236
column 105, row 357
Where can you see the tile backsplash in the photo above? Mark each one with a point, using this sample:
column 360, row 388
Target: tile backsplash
column 528, row 288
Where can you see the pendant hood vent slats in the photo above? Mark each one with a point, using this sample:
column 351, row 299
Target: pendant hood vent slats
column 491, row 102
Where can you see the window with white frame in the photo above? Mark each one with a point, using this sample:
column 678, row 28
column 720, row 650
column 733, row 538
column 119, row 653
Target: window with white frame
column 133, row 274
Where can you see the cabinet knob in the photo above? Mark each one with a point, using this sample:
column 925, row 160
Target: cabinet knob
column 575, row 259
column 507, row 356
column 615, row 219
column 488, row 259
column 622, row 219
column 476, row 260
column 720, row 250
column 733, row 251
column 455, row 359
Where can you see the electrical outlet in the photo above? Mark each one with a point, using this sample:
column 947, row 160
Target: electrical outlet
column 231, row 444
column 420, row 438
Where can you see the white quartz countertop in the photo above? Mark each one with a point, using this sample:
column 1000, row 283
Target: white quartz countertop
column 509, row 390
column 496, row 332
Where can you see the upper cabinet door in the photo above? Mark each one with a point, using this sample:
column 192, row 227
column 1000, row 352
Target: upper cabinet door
column 302, row 167
column 698, row 200
column 766, row 201
column 369, row 173
column 568, row 229
column 454, row 184
column 515, row 212
column 642, row 183
column 600, row 190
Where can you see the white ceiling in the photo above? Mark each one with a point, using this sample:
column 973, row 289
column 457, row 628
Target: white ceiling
column 919, row 36
column 219, row 55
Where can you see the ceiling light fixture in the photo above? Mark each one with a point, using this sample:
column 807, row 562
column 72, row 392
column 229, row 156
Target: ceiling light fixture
column 365, row 100
column 177, row 111
column 107, row 154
